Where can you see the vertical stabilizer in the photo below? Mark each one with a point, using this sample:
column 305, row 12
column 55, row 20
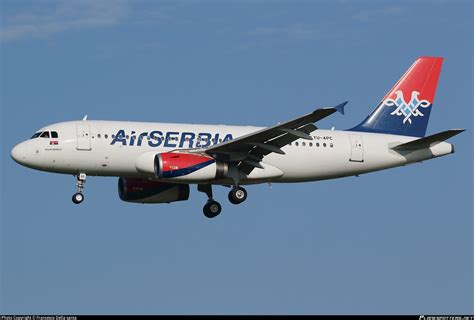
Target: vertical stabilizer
column 406, row 108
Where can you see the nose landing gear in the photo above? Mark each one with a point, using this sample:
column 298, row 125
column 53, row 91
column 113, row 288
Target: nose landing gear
column 78, row 197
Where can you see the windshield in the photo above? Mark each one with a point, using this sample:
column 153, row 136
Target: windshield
column 36, row 135
column 45, row 134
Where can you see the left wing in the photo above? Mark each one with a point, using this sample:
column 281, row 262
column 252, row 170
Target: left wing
column 250, row 149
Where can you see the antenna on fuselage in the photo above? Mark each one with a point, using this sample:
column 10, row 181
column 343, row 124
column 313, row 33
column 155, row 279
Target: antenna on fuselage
column 85, row 118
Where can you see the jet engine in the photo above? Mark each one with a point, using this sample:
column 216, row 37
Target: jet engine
column 180, row 166
column 149, row 191
column 188, row 167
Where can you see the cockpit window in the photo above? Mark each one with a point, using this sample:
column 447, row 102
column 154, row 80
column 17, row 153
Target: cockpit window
column 45, row 134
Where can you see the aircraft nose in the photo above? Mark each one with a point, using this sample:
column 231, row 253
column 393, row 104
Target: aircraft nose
column 18, row 153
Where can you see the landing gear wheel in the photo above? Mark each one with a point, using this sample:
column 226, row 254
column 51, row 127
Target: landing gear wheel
column 77, row 198
column 237, row 195
column 212, row 209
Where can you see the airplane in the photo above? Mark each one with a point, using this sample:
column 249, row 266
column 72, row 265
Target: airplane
column 157, row 162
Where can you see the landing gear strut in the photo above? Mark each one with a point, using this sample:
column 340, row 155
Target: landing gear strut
column 237, row 195
column 78, row 197
column 212, row 208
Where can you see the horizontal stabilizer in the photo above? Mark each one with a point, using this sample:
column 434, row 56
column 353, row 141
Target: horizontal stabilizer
column 428, row 141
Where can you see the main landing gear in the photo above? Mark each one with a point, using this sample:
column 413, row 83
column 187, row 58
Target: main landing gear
column 78, row 197
column 213, row 208
column 237, row 195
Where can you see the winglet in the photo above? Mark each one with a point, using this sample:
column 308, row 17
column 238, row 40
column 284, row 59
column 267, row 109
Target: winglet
column 340, row 107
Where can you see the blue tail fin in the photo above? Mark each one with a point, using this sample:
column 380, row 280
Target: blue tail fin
column 406, row 108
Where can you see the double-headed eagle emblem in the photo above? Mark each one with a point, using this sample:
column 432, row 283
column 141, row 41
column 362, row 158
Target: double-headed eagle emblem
column 407, row 109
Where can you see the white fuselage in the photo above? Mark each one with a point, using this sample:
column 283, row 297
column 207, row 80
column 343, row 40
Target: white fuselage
column 92, row 147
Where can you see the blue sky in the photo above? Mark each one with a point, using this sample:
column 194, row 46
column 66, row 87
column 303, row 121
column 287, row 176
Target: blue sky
column 397, row 241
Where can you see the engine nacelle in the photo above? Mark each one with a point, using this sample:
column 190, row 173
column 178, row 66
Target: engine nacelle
column 188, row 167
column 148, row 191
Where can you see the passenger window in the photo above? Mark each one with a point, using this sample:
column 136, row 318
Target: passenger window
column 296, row 143
column 303, row 144
column 98, row 135
column 331, row 145
column 324, row 145
column 310, row 144
column 317, row 144
column 106, row 136
column 113, row 136
column 45, row 134
column 54, row 134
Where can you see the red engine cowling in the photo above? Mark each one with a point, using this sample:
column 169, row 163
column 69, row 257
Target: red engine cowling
column 188, row 167
column 148, row 191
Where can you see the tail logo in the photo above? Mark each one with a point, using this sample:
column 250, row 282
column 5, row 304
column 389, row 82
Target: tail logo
column 407, row 109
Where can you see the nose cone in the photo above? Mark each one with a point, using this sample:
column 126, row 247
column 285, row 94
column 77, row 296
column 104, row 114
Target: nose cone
column 18, row 153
